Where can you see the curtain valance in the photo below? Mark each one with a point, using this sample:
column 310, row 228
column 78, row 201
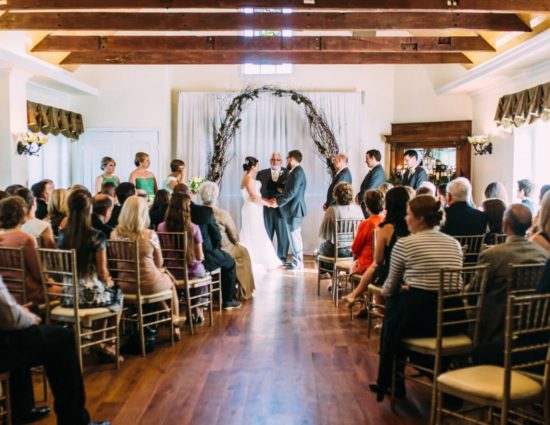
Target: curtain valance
column 47, row 119
column 523, row 107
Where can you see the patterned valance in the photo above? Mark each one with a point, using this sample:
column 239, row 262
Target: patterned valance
column 47, row 119
column 523, row 107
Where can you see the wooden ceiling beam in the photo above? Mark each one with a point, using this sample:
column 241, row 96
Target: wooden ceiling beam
column 219, row 58
column 117, row 21
column 496, row 6
column 56, row 43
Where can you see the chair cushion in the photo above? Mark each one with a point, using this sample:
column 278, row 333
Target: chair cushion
column 82, row 312
column 195, row 282
column 344, row 265
column 373, row 289
column 448, row 343
column 488, row 382
column 149, row 298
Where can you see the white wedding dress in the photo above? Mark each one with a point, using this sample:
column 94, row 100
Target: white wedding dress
column 253, row 234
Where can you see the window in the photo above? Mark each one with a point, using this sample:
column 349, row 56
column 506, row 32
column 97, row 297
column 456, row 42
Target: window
column 266, row 69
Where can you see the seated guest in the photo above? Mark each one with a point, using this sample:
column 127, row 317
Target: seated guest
column 518, row 250
column 57, row 209
column 95, row 285
column 209, row 193
column 461, row 218
column 535, row 228
column 496, row 190
column 12, row 188
column 178, row 219
column 426, row 188
column 24, row 344
column 123, row 191
column 542, row 237
column 159, row 207
column 411, row 288
column 442, row 194
column 214, row 256
column 38, row 229
column 42, row 191
column 341, row 209
column 108, row 166
column 363, row 245
column 102, row 207
column 525, row 189
column 133, row 225
column 390, row 230
column 494, row 209
column 4, row 195
column 12, row 216
column 385, row 187
column 108, row 188
column 177, row 166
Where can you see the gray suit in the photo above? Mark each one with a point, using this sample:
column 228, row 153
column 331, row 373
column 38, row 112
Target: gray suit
column 293, row 208
column 273, row 219
column 517, row 250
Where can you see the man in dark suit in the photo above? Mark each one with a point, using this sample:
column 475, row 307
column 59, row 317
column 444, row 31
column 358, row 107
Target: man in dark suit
column 374, row 178
column 42, row 191
column 460, row 217
column 214, row 257
column 415, row 173
column 101, row 213
column 273, row 182
column 343, row 174
column 293, row 207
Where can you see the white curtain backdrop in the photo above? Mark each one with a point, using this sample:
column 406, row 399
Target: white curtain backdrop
column 270, row 124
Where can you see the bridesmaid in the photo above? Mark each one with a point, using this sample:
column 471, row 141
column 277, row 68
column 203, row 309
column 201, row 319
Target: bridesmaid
column 108, row 166
column 142, row 177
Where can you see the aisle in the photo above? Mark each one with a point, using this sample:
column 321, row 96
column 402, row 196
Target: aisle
column 287, row 357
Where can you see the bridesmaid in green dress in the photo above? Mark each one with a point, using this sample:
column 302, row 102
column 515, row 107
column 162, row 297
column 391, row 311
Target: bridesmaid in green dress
column 108, row 165
column 142, row 177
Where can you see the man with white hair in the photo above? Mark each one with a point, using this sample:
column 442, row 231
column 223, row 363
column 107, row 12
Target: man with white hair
column 461, row 218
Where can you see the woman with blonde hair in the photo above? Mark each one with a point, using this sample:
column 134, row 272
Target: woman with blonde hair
column 108, row 166
column 141, row 177
column 133, row 225
column 57, row 209
column 542, row 237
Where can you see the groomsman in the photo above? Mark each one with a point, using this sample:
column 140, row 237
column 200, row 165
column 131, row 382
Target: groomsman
column 273, row 181
column 374, row 178
column 415, row 174
column 343, row 174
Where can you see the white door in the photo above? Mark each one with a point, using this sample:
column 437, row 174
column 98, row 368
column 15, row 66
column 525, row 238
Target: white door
column 119, row 144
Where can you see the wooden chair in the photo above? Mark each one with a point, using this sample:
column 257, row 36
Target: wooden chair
column 523, row 278
column 174, row 248
column 123, row 258
column 216, row 276
column 472, row 246
column 5, row 404
column 14, row 273
column 92, row 326
column 344, row 233
column 512, row 390
column 375, row 309
column 461, row 286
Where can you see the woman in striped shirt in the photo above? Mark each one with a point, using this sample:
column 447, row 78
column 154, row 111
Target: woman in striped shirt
column 413, row 281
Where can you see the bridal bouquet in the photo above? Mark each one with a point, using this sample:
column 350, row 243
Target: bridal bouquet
column 195, row 183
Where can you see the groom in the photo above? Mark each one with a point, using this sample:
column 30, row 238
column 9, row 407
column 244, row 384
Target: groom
column 293, row 207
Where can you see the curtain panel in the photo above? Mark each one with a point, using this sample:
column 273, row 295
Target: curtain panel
column 525, row 106
column 271, row 124
column 50, row 120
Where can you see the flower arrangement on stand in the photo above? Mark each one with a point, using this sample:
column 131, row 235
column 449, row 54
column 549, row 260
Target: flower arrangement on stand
column 30, row 143
column 195, row 183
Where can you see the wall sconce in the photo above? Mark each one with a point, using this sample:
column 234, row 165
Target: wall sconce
column 30, row 143
column 481, row 145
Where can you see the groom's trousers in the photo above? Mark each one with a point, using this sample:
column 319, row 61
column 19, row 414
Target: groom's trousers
column 275, row 224
column 294, row 229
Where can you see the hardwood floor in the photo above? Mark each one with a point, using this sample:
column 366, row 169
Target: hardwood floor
column 287, row 357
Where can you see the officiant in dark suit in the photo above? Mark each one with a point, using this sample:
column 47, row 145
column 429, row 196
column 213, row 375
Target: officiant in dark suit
column 415, row 174
column 343, row 174
column 273, row 181
column 374, row 178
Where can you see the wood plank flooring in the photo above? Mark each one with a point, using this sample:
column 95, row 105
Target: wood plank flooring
column 287, row 357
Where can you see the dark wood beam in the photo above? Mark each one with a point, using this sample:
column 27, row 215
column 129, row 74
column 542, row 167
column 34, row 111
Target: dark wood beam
column 57, row 43
column 106, row 21
column 213, row 58
column 516, row 6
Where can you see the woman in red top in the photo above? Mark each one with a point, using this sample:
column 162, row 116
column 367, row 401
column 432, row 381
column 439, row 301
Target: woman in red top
column 363, row 246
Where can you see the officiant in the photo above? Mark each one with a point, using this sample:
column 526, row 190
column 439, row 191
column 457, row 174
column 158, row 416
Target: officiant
column 273, row 181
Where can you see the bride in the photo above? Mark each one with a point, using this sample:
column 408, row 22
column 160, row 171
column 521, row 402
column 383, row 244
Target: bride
column 253, row 234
